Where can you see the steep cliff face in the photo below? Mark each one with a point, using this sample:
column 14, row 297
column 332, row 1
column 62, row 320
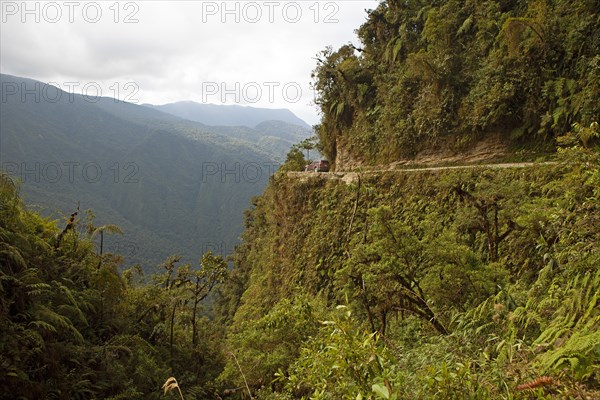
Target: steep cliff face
column 445, row 74
column 408, row 258
column 344, row 160
column 446, row 282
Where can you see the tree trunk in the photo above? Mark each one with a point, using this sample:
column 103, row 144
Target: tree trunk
column 194, row 332
column 101, row 243
column 101, row 248
column 171, row 335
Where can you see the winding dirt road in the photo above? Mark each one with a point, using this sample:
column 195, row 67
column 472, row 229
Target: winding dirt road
column 352, row 176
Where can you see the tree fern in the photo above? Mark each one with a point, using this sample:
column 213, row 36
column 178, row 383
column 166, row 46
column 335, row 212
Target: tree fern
column 58, row 321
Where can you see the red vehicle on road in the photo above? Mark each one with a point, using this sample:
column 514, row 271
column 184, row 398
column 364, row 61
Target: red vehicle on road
column 317, row 166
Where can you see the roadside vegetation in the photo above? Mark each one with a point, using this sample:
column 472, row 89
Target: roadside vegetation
column 478, row 283
column 445, row 74
column 444, row 284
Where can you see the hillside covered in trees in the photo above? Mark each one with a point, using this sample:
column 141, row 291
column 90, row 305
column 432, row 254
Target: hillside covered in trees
column 436, row 284
column 456, row 283
column 161, row 178
column 439, row 74
column 73, row 327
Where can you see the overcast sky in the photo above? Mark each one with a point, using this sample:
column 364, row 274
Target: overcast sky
column 257, row 53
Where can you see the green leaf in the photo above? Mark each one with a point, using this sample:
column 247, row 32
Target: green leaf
column 396, row 49
column 381, row 390
column 340, row 108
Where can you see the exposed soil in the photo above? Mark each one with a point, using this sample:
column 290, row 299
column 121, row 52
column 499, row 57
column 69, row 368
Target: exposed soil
column 489, row 148
column 486, row 153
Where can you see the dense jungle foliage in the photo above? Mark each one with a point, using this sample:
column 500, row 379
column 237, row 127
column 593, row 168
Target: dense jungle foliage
column 448, row 284
column 73, row 327
column 475, row 283
column 468, row 283
column 448, row 72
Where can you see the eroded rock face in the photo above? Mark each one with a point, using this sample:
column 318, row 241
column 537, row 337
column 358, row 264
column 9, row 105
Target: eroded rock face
column 491, row 147
column 344, row 160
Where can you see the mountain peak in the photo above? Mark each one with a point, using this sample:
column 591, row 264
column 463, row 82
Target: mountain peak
column 228, row 115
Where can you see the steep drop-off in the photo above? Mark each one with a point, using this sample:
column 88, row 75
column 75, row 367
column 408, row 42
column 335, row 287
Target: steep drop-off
column 430, row 284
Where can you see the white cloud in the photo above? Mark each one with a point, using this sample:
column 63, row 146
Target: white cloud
column 178, row 48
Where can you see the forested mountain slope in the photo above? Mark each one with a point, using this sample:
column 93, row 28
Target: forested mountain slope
column 172, row 185
column 435, row 284
column 444, row 74
column 273, row 131
column 228, row 115
column 273, row 137
column 476, row 283
column 465, row 283
column 73, row 327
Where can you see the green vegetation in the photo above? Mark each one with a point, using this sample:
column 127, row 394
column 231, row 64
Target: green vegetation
column 72, row 327
column 444, row 284
column 472, row 283
column 447, row 73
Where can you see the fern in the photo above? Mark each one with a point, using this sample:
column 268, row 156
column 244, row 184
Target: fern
column 581, row 352
column 59, row 322
column 574, row 329
column 36, row 289
column 42, row 325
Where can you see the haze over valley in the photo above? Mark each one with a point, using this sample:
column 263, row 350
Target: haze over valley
column 294, row 200
column 174, row 185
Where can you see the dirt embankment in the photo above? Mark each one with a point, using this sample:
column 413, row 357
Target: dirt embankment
column 490, row 148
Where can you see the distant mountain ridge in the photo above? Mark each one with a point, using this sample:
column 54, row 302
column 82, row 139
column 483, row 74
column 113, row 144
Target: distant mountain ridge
column 274, row 131
column 173, row 185
column 228, row 115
